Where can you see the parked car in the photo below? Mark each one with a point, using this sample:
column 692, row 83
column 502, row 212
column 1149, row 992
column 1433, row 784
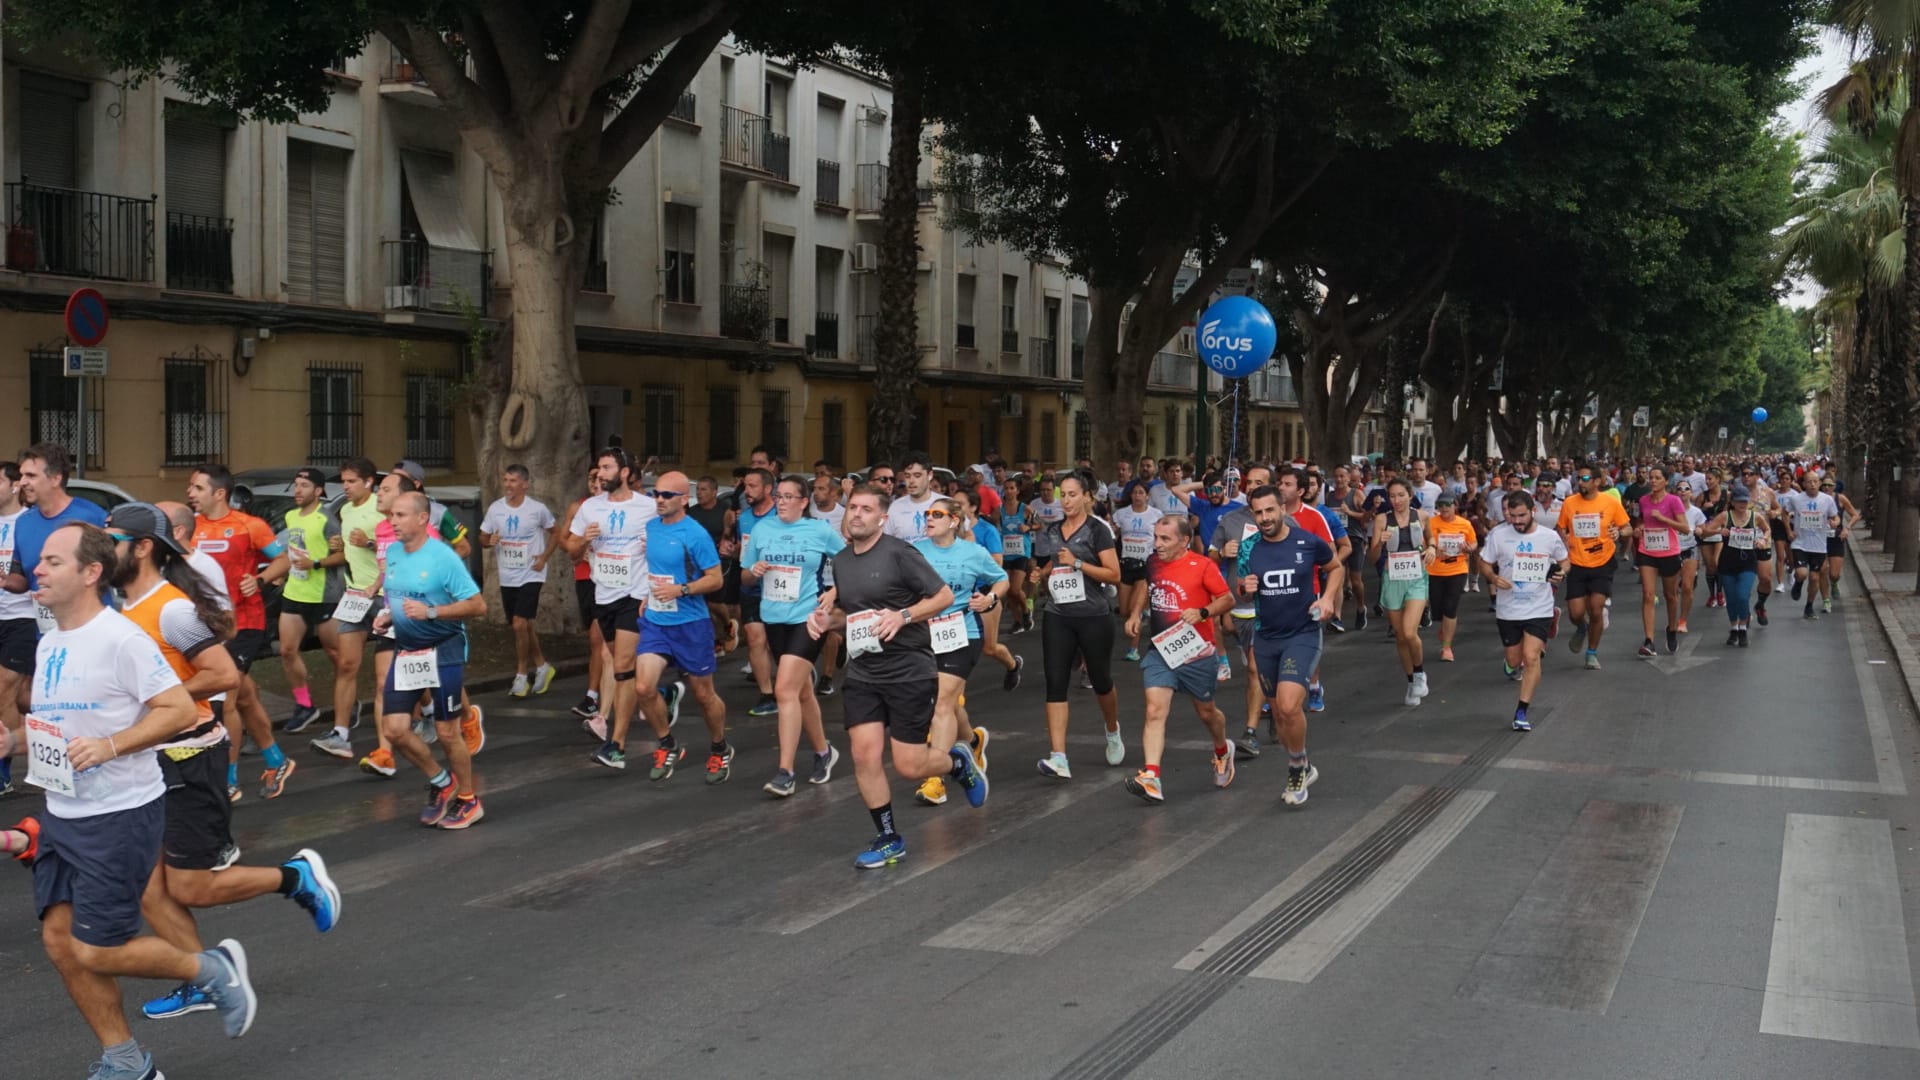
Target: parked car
column 104, row 495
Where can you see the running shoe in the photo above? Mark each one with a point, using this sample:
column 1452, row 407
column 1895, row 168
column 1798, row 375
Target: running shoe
column 1646, row 651
column 1316, row 699
column 1520, row 721
column 1808, row 613
column 229, row 855
column 543, row 677
column 675, row 694
column 1760, row 615
column 781, row 785
column 1086, row 681
column 357, row 706
column 972, row 778
column 720, row 765
column 333, row 743
column 766, row 706
column 589, row 707
column 303, row 717
column 1798, row 585
column 931, row 792
column 825, row 689
column 439, row 801
column 747, row 669
column 1413, row 696
column 315, row 890
column 1360, row 619
column 1733, row 636
column 1420, row 683
column 1335, row 625
column 1379, row 612
column 611, row 756
column 978, row 744
column 1593, row 661
column 883, row 852
column 179, row 1001
column 1826, row 605
column 1147, row 786
column 1247, row 745
column 521, row 687
column 378, row 763
column 1426, row 618
column 233, row 793
column 1743, row 638
column 1673, row 640
column 232, row 990
column 424, row 731
column 1116, row 748
column 1055, row 765
column 1513, row 673
column 1299, row 779
column 1681, row 626
column 473, row 728
column 664, row 760
column 1132, row 655
column 823, row 765
column 464, row 813
column 273, row 782
column 1578, row 638
column 1446, row 654
column 596, row 726
column 1606, row 616
column 1223, row 770
column 1012, row 680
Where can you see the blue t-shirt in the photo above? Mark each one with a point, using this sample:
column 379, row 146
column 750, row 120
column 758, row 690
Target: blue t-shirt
column 435, row 576
column 807, row 544
column 31, row 532
column 1286, row 570
column 1208, row 516
column 987, row 535
column 681, row 552
column 1335, row 526
column 1014, row 542
column 747, row 522
column 963, row 565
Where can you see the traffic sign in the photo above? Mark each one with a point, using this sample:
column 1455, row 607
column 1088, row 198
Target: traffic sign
column 1643, row 416
column 87, row 316
column 1723, row 433
column 86, row 362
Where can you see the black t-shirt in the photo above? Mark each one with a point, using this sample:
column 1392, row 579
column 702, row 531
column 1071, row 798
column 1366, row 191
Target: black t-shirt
column 891, row 576
column 1094, row 537
column 713, row 520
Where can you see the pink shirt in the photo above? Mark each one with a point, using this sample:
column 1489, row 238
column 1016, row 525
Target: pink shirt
column 1666, row 539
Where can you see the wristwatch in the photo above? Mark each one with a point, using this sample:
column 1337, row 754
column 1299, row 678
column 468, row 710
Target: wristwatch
column 906, row 616
column 433, row 613
column 1076, row 565
column 685, row 591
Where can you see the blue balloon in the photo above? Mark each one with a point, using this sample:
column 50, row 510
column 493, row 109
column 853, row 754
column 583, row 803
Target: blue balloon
column 1759, row 415
column 1236, row 336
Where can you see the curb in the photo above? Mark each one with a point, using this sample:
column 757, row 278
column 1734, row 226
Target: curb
column 563, row 669
column 1903, row 650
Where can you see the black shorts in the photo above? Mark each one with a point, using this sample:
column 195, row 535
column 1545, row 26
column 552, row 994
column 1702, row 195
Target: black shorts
column 312, row 614
column 960, row 661
column 1011, row 563
column 521, row 601
column 1812, row 560
column 750, row 609
column 791, row 639
column 1133, row 571
column 583, row 596
column 729, row 583
column 616, row 617
column 906, row 708
column 100, row 865
column 1668, row 565
column 199, row 814
column 1779, row 529
column 1512, row 630
column 1444, row 594
column 1589, row 580
column 18, row 640
column 1836, row 548
column 245, row 648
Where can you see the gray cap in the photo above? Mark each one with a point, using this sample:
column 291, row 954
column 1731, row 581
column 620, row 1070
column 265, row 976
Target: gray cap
column 413, row 469
column 143, row 521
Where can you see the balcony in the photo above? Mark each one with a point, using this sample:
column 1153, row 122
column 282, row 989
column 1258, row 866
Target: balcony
column 401, row 81
column 199, row 253
column 1046, row 357
column 826, row 184
column 826, row 335
column 421, row 277
column 869, row 188
column 1272, row 385
column 683, row 110
column 746, row 312
column 1172, row 369
column 863, row 338
column 749, row 142
column 1010, row 342
column 88, row 234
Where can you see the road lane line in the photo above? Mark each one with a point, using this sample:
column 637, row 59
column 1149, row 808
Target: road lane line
column 1698, row 776
column 1567, row 940
column 1839, row 968
column 1886, row 761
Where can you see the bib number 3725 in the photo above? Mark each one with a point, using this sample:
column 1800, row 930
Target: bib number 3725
column 47, row 764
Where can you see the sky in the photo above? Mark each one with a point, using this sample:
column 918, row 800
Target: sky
column 1814, row 74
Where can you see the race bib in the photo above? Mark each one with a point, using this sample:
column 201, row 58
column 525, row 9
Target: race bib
column 1248, row 532
column 6, row 561
column 353, row 606
column 1586, row 526
column 1741, row 539
column 1451, row 544
column 1404, row 566
column 1135, row 547
column 826, row 574
column 516, row 555
column 1812, row 522
column 949, row 632
column 782, row 585
column 47, row 764
column 297, row 572
column 613, row 570
column 416, row 669
column 1016, row 544
column 44, row 619
column 1181, row 644
column 1657, row 541
column 863, row 633
column 1067, row 585
column 1531, row 568
column 654, row 603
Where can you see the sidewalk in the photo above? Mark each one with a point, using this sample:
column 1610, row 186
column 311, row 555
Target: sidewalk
column 1896, row 604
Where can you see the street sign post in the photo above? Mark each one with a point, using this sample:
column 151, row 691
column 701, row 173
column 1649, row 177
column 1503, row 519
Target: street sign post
column 83, row 362
column 87, row 316
column 86, row 324
column 1643, row 416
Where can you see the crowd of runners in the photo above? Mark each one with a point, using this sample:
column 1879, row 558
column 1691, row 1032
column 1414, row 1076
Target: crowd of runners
column 126, row 641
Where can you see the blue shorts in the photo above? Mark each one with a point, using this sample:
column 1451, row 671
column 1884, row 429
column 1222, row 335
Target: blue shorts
column 689, row 646
column 446, row 696
column 100, row 865
column 1287, row 659
column 1196, row 678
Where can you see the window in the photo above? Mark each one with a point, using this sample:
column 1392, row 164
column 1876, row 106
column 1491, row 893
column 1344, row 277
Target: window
column 773, row 421
column 1082, row 435
column 963, row 311
column 195, row 394
column 723, row 423
column 1081, row 317
column 596, row 277
column 199, row 235
column 430, row 419
column 1049, row 439
column 1009, row 313
column 316, row 224
column 677, row 262
column 333, row 413
column 1021, row 445
column 833, row 434
column 1171, row 446
column 54, row 400
column 660, row 423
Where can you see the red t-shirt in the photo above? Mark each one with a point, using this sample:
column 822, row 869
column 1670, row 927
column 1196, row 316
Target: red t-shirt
column 1312, row 520
column 1190, row 581
column 989, row 502
column 239, row 543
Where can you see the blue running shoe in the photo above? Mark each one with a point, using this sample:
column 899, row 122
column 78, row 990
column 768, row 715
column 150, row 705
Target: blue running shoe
column 1316, row 699
column 1132, row 656
column 1520, row 721
column 180, row 1001
column 232, row 990
column 971, row 778
column 316, row 891
column 884, row 851
column 766, row 706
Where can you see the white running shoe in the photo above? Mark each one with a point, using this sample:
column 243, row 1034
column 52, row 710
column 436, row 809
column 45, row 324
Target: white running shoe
column 1420, row 684
column 1116, row 749
column 1055, row 765
column 1413, row 696
column 1298, row 781
column 520, row 687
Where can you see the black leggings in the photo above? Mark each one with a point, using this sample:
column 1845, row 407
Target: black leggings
column 1064, row 636
column 1444, row 595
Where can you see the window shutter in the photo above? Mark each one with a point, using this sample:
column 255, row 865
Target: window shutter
column 196, row 169
column 50, row 131
column 299, row 222
column 329, row 226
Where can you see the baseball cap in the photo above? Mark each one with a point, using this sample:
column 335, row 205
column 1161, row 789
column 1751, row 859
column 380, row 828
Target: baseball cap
column 142, row 521
column 1446, row 499
column 1741, row 494
column 413, row 469
column 316, row 477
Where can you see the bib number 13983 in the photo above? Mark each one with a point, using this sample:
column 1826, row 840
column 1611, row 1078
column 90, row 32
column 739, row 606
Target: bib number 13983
column 47, row 764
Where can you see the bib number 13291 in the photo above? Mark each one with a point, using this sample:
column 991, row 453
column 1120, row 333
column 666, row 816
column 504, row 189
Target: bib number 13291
column 47, row 764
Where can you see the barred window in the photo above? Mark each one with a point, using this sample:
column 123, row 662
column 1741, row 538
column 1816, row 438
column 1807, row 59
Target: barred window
column 196, row 409
column 333, row 413
column 660, row 433
column 430, row 419
column 53, row 398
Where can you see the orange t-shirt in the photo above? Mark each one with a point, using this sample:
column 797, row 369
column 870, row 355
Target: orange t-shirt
column 1445, row 565
column 1586, row 524
column 239, row 543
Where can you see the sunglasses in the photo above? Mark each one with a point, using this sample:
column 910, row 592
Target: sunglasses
column 938, row 515
column 881, row 479
column 668, row 494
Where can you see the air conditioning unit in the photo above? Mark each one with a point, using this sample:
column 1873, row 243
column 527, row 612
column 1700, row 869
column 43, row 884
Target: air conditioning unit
column 866, row 258
column 1016, row 406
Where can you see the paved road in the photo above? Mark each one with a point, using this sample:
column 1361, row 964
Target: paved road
column 1698, row 867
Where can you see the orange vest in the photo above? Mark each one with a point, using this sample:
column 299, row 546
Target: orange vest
column 146, row 615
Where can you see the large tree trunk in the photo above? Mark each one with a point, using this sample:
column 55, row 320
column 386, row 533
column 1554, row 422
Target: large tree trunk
column 1116, row 378
column 1905, row 384
column 896, row 343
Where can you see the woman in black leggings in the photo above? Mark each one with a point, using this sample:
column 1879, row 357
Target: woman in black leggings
column 1080, row 559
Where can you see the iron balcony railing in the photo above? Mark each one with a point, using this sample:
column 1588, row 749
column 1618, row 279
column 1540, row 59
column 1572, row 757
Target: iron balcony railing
column 684, row 108
column 746, row 312
column 1010, row 341
column 199, row 252
column 1079, row 360
column 826, row 182
column 399, row 69
column 422, row 277
column 57, row 230
column 1046, row 357
column 1172, row 369
column 864, row 350
column 749, row 141
column 963, row 335
column 826, row 334
column 869, row 187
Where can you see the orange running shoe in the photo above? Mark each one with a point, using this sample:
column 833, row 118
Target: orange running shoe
column 473, row 728
column 379, row 763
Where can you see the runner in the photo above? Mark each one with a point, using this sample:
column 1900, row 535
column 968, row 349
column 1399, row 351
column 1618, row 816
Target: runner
column 1689, row 551
column 1349, row 503
column 1080, row 558
column 1590, row 526
column 788, row 556
column 886, row 593
column 967, row 568
column 826, row 507
column 1744, row 534
column 1764, row 502
column 1712, row 503
column 907, row 515
column 1017, row 525
column 1185, row 595
column 724, row 605
column 988, row 537
column 360, row 520
column 1456, row 545
column 521, row 531
column 241, row 543
column 1291, row 483
column 1811, row 516
column 313, row 582
column 757, row 505
column 1234, row 530
column 17, row 630
column 106, row 697
column 430, row 595
column 1403, row 537
column 1663, row 520
column 1280, row 568
column 609, row 530
column 186, row 618
column 1134, row 522
column 1836, row 544
column 1521, row 561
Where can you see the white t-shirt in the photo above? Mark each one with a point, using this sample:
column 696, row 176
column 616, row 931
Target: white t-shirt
column 12, row 605
column 1696, row 517
column 523, row 538
column 1811, row 516
column 620, row 551
column 1429, row 493
column 1162, row 498
column 1526, row 600
column 832, row 517
column 1048, row 513
column 94, row 682
column 907, row 519
column 1136, row 531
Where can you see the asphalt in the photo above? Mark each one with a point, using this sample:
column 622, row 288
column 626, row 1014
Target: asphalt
column 1702, row 866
